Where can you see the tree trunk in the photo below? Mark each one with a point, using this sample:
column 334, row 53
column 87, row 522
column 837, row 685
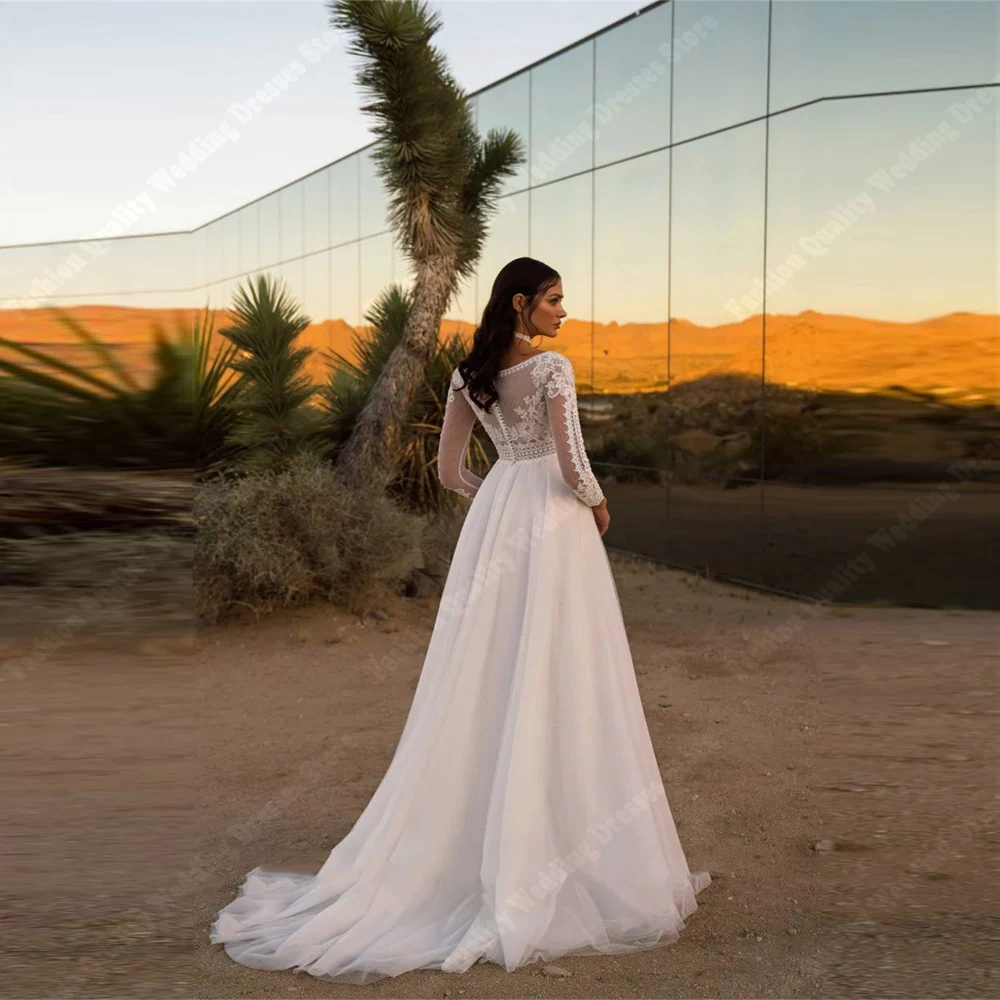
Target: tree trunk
column 369, row 459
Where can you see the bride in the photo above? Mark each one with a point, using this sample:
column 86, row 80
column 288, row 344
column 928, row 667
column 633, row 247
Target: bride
column 523, row 816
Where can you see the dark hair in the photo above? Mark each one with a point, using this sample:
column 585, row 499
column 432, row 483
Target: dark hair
column 495, row 332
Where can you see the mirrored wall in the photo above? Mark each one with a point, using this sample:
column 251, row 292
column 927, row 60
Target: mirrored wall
column 776, row 227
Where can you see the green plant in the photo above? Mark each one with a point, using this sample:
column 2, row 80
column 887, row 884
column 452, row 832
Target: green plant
column 346, row 392
column 443, row 182
column 287, row 537
column 54, row 412
column 274, row 420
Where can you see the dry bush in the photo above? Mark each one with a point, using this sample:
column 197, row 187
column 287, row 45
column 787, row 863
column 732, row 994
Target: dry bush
column 289, row 537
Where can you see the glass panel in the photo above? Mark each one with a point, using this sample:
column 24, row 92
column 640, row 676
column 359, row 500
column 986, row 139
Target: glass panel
column 231, row 244
column 249, row 238
column 715, row 528
column 507, row 239
column 344, row 200
column 293, row 273
column 376, row 269
column 716, row 329
column 316, row 294
column 374, row 203
column 633, row 86
column 893, row 45
column 631, row 265
column 561, row 236
column 216, row 251
column 292, row 221
column 505, row 106
column 881, row 352
column 562, row 115
column 199, row 256
column 269, row 211
column 316, row 305
column 317, row 211
column 344, row 292
column 720, row 63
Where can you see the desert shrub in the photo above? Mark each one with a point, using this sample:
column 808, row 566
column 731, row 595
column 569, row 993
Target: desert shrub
column 285, row 537
column 793, row 445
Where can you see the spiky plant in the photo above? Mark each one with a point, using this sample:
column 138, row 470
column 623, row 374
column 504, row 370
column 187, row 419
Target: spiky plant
column 349, row 383
column 275, row 421
column 443, row 182
column 54, row 412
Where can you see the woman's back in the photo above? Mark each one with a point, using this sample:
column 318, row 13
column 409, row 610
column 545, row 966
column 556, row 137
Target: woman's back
column 536, row 415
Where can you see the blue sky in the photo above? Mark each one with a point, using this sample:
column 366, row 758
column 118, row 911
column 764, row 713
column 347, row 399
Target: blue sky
column 97, row 96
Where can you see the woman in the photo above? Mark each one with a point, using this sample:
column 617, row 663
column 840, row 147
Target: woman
column 522, row 816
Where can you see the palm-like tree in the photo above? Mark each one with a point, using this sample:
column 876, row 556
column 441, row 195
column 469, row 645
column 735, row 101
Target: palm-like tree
column 443, row 182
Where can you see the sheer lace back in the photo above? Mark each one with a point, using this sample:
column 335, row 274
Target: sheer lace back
column 536, row 415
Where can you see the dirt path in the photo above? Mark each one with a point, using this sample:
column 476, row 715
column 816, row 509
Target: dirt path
column 145, row 786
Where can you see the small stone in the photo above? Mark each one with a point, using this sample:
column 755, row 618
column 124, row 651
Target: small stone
column 759, row 938
column 823, row 846
column 793, row 931
column 556, row 970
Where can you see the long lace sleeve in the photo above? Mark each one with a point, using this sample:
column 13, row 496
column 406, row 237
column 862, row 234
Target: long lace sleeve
column 456, row 430
column 564, row 419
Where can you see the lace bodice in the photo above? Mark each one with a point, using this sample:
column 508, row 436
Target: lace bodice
column 536, row 415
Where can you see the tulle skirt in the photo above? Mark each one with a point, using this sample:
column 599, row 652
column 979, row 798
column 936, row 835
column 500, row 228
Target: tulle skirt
column 523, row 816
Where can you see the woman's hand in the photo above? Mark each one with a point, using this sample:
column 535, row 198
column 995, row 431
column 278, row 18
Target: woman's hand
column 601, row 516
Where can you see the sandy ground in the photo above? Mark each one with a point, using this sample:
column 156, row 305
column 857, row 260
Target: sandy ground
column 144, row 780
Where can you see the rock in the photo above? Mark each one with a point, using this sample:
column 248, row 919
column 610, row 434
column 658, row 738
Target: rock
column 695, row 442
column 556, row 970
column 792, row 930
column 734, row 445
column 423, row 584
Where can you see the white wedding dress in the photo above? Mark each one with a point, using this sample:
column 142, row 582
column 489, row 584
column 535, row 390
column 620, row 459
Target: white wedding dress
column 523, row 816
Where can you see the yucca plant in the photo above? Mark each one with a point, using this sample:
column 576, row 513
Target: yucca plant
column 54, row 412
column 275, row 420
column 344, row 395
column 442, row 181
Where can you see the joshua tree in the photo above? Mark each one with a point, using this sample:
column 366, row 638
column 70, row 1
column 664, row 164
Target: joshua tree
column 443, row 181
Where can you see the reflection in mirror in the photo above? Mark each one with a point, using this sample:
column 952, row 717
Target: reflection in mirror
column 561, row 236
column 292, row 221
column 269, row 220
column 231, row 244
column 720, row 63
column 632, row 86
column 316, row 305
column 344, row 292
column 506, row 240
column 505, row 106
column 249, row 238
column 344, row 200
column 627, row 423
column 376, row 270
column 881, row 349
column 215, row 236
column 317, row 211
column 893, row 45
column 562, row 116
column 716, row 338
